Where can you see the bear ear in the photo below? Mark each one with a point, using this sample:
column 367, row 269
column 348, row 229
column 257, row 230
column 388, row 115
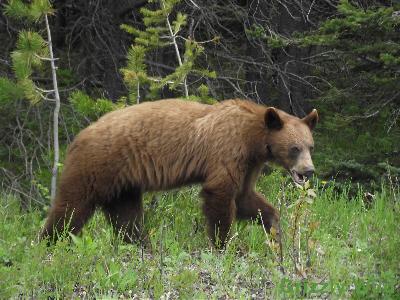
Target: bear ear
column 311, row 119
column 272, row 119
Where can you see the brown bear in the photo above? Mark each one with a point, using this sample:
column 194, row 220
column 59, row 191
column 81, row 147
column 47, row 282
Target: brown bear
column 166, row 144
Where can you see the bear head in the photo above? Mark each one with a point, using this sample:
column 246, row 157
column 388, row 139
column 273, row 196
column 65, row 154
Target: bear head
column 290, row 142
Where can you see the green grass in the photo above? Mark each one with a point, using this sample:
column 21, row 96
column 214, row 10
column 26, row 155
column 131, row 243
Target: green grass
column 346, row 251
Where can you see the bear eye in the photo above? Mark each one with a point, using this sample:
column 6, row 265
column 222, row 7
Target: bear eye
column 294, row 151
column 312, row 149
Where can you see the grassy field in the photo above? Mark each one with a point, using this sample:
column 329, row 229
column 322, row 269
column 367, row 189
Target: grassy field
column 334, row 246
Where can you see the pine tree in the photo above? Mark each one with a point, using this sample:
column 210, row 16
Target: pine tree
column 162, row 30
column 31, row 52
column 357, row 57
column 92, row 109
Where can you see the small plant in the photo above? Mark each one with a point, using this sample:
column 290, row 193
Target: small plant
column 301, row 229
column 92, row 109
column 43, row 190
column 298, row 239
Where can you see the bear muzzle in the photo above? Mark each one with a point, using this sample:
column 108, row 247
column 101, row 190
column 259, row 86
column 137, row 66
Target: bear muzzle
column 301, row 177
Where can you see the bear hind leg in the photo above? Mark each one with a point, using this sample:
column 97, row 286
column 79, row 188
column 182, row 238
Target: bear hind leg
column 65, row 217
column 125, row 213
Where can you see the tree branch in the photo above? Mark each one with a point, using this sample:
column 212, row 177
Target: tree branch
column 178, row 55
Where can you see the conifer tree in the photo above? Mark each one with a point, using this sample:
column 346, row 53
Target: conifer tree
column 162, row 30
column 356, row 62
column 32, row 51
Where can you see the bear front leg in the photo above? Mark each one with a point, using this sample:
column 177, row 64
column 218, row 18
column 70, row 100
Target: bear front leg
column 125, row 213
column 252, row 204
column 219, row 208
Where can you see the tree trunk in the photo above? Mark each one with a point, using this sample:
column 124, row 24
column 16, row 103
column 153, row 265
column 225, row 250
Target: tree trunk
column 55, row 114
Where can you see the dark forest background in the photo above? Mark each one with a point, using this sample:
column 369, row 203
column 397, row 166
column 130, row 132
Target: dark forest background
column 341, row 57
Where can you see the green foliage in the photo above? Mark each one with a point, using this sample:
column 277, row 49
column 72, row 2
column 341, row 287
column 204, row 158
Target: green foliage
column 16, row 9
column 192, row 51
column 66, row 77
column 358, row 67
column 28, row 62
column 347, row 151
column 44, row 191
column 33, row 10
column 161, row 32
column 31, row 49
column 135, row 72
column 203, row 95
column 353, row 251
column 31, row 60
column 256, row 31
column 90, row 108
column 277, row 42
column 368, row 44
column 9, row 91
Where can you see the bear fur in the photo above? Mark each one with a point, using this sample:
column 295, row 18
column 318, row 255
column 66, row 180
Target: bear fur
column 166, row 144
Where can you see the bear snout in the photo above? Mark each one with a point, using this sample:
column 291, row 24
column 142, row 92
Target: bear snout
column 309, row 173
